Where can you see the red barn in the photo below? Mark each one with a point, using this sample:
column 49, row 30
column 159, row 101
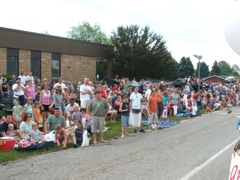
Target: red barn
column 215, row 79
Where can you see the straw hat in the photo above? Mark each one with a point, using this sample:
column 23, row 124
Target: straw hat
column 58, row 87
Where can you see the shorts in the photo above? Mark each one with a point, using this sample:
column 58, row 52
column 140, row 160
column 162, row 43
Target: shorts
column 153, row 118
column 84, row 104
column 136, row 111
column 125, row 120
column 46, row 108
column 97, row 124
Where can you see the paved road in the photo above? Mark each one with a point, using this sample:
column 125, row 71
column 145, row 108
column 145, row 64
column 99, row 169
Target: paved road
column 193, row 149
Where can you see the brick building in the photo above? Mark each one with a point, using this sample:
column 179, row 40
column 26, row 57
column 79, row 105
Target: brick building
column 48, row 56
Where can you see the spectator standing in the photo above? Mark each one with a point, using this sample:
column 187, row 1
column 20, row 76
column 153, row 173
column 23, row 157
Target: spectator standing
column 85, row 93
column 10, row 85
column 45, row 101
column 158, row 97
column 174, row 100
column 148, row 92
column 136, row 107
column 98, row 107
column 30, row 77
column 30, row 90
column 23, row 78
column 5, row 87
column 57, row 99
column 153, row 110
column 19, row 90
column 124, row 109
column 60, row 83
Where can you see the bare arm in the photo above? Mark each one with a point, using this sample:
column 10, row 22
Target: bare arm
column 45, row 128
column 130, row 107
column 40, row 98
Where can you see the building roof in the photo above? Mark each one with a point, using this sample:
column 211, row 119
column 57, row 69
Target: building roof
column 220, row 77
column 12, row 38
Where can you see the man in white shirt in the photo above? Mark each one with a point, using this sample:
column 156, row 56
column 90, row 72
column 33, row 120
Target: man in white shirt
column 60, row 83
column 19, row 90
column 23, row 78
column 85, row 93
column 30, row 77
column 148, row 92
column 136, row 108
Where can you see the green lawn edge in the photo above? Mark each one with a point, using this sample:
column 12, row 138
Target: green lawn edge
column 114, row 132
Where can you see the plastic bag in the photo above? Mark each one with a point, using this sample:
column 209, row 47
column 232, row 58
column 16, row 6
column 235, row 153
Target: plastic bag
column 175, row 109
column 85, row 139
column 130, row 121
column 50, row 136
column 194, row 110
column 165, row 113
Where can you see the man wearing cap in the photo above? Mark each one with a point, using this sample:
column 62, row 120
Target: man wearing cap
column 98, row 108
column 19, row 90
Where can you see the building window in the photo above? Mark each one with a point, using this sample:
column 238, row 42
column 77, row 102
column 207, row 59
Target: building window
column 36, row 64
column 12, row 62
column 56, row 65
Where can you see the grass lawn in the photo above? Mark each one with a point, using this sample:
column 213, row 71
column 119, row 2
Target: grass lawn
column 114, row 132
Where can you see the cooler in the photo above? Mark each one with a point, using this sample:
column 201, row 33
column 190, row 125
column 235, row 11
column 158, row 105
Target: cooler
column 6, row 143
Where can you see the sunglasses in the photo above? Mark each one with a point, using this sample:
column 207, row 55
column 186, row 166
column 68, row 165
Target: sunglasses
column 29, row 116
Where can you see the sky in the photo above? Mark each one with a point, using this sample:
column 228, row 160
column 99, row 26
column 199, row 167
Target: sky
column 188, row 26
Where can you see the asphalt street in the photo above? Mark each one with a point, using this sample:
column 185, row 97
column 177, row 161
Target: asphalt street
column 199, row 148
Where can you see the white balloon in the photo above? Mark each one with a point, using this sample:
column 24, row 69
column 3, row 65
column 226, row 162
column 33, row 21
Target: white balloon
column 232, row 28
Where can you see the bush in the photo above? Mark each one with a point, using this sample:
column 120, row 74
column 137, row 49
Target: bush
column 7, row 76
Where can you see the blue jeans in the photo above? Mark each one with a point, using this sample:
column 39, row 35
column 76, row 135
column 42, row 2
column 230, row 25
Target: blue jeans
column 199, row 111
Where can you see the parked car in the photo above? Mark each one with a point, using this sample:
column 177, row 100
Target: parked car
column 180, row 82
column 230, row 79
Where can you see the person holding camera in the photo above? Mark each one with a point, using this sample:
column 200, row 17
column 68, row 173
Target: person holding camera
column 19, row 90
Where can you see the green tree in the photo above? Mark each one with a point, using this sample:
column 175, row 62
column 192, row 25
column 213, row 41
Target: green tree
column 204, row 70
column 225, row 68
column 236, row 69
column 185, row 68
column 141, row 53
column 87, row 32
column 215, row 69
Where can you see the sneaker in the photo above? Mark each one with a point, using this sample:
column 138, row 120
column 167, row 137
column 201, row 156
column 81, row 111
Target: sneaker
column 135, row 131
column 142, row 131
column 75, row 145
column 229, row 112
column 160, row 128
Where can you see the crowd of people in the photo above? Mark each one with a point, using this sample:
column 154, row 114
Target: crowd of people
column 40, row 107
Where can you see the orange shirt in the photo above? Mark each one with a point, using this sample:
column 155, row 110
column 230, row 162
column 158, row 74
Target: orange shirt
column 152, row 104
column 38, row 115
column 158, row 96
